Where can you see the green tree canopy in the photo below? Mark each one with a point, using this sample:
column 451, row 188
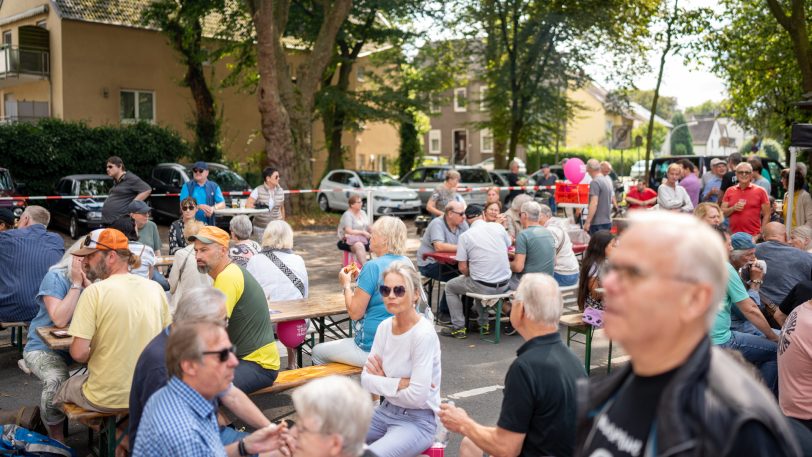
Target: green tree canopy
column 666, row 106
column 681, row 142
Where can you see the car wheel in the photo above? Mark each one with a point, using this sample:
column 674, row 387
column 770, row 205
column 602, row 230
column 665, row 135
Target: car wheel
column 324, row 205
column 73, row 227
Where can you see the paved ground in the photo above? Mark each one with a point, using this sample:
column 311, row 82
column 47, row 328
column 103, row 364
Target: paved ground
column 473, row 370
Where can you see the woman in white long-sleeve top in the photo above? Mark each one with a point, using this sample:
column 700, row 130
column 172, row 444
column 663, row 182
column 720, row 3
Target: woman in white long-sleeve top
column 404, row 368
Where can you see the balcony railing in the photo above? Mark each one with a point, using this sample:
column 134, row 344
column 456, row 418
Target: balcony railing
column 15, row 62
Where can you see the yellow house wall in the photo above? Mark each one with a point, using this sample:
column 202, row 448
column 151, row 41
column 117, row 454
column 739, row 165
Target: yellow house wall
column 589, row 125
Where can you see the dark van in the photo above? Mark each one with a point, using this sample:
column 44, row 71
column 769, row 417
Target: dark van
column 659, row 166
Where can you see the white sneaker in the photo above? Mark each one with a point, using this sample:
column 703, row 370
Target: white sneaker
column 23, row 366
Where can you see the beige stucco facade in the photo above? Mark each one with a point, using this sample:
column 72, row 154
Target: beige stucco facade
column 92, row 63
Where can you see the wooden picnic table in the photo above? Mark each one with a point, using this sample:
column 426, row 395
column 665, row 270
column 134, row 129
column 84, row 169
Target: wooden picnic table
column 241, row 211
column 164, row 260
column 444, row 258
column 57, row 344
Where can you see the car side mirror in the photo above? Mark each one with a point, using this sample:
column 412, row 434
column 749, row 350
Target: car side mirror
column 355, row 184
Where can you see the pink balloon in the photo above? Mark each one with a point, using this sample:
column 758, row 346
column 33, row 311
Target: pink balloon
column 574, row 170
column 292, row 333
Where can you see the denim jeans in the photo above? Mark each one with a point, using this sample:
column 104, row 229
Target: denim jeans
column 342, row 351
column 432, row 271
column 160, row 279
column 456, row 289
column 397, row 431
column 250, row 376
column 566, row 280
column 759, row 351
column 598, row 227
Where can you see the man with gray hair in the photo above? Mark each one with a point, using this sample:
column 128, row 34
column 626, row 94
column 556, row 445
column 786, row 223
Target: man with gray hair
column 678, row 395
column 538, row 407
column 600, row 199
column 201, row 304
column 566, row 268
column 26, row 253
column 513, row 222
column 335, row 412
column 181, row 417
column 242, row 247
column 535, row 246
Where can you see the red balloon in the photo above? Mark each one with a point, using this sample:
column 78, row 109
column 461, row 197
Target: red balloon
column 292, row 333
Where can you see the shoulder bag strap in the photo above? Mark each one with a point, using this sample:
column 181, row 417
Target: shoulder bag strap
column 284, row 268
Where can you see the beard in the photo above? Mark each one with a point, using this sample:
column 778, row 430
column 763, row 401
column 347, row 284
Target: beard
column 100, row 271
column 203, row 268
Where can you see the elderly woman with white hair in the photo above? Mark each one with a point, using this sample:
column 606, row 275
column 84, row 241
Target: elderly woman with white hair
column 365, row 303
column 403, row 367
column 801, row 238
column 513, row 222
column 242, row 246
column 281, row 272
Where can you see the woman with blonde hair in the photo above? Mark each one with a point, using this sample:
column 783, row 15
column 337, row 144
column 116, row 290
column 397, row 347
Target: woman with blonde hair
column 365, row 303
column 709, row 212
column 184, row 274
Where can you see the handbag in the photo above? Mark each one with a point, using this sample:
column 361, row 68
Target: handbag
column 284, row 269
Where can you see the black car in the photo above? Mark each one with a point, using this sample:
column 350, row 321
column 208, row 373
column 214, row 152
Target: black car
column 79, row 215
column 500, row 179
column 169, row 178
column 10, row 188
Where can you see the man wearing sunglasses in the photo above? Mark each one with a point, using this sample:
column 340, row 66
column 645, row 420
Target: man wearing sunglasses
column 678, row 395
column 180, row 419
column 206, row 193
column 127, row 187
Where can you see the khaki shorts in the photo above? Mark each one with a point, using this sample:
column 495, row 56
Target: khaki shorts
column 70, row 391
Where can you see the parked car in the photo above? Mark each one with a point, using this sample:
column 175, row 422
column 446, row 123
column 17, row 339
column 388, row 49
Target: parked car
column 499, row 178
column 557, row 170
column 169, row 178
column 79, row 215
column 428, row 178
column 11, row 188
column 659, row 167
column 488, row 164
column 389, row 196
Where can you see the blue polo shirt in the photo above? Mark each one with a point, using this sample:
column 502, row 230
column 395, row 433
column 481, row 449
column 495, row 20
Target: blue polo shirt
column 178, row 421
column 25, row 256
column 199, row 194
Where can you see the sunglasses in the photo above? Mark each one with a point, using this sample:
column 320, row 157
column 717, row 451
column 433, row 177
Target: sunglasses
column 187, row 207
column 399, row 291
column 223, row 353
column 89, row 240
column 460, row 213
column 743, row 172
column 197, row 170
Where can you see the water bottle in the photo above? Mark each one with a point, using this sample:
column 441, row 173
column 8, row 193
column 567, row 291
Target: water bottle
column 440, row 440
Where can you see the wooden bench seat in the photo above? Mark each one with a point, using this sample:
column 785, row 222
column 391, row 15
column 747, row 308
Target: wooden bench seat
column 16, row 333
column 575, row 325
column 488, row 301
column 103, row 423
column 289, row 379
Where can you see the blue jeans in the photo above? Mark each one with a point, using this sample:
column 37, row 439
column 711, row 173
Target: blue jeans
column 230, row 435
column 598, row 227
column 432, row 271
column 759, row 351
column 250, row 376
column 566, row 280
column 160, row 279
column 397, row 431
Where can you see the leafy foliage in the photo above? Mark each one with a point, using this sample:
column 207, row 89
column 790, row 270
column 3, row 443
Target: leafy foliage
column 681, row 142
column 38, row 154
column 665, row 105
column 708, row 108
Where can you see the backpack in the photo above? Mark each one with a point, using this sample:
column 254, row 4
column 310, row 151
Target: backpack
column 16, row 440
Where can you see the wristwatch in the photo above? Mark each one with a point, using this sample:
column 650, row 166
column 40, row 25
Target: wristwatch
column 76, row 286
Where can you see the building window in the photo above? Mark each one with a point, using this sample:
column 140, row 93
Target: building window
column 486, row 139
column 434, row 107
column 137, row 106
column 435, row 137
column 483, row 91
column 7, row 38
column 460, row 99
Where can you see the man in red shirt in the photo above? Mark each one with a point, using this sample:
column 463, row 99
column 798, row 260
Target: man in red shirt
column 746, row 205
column 640, row 196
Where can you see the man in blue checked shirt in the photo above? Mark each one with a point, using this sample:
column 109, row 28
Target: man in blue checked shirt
column 180, row 418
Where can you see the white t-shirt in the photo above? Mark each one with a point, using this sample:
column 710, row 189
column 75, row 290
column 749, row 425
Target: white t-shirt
column 274, row 282
column 565, row 261
column 484, row 246
column 414, row 355
column 147, row 256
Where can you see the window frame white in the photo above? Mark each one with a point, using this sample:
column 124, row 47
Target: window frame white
column 483, row 90
column 435, row 134
column 457, row 107
column 482, row 135
column 136, row 93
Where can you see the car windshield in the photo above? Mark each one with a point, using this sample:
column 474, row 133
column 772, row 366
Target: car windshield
column 378, row 179
column 226, row 179
column 5, row 180
column 474, row 175
column 95, row 186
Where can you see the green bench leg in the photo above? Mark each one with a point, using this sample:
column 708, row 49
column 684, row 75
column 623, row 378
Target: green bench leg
column 588, row 350
column 497, row 323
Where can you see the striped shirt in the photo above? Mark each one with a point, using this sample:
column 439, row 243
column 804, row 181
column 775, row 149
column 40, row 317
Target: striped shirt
column 25, row 254
column 178, row 421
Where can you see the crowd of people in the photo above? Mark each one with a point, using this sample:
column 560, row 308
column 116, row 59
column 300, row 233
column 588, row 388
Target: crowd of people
column 712, row 309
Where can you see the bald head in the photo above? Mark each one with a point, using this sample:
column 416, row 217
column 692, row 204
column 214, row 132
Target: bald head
column 775, row 231
column 454, row 206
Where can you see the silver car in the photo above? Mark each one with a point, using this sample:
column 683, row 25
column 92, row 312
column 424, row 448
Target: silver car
column 428, row 178
column 389, row 196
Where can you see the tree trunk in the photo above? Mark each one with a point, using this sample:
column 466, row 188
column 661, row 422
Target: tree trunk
column 409, row 145
column 335, row 119
column 795, row 26
column 650, row 132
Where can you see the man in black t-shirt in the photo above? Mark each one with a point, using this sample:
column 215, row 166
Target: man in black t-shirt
column 538, row 409
column 514, row 179
column 729, row 178
column 126, row 188
column 678, row 396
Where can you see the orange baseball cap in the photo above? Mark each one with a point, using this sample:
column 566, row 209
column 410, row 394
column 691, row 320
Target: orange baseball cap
column 106, row 239
column 210, row 234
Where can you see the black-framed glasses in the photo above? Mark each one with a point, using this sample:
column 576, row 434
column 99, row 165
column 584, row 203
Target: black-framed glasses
column 399, row 291
column 743, row 172
column 89, row 240
column 197, row 170
column 187, row 207
column 223, row 353
column 459, row 213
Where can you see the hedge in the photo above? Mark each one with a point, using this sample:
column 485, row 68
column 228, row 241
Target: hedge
column 536, row 159
column 39, row 154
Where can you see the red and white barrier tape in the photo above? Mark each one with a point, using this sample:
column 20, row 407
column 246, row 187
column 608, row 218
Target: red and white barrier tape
column 289, row 191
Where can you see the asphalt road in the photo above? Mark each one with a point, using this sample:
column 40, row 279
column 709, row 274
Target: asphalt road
column 473, row 370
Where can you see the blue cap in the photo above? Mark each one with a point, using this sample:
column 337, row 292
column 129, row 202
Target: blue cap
column 138, row 207
column 741, row 241
column 200, row 165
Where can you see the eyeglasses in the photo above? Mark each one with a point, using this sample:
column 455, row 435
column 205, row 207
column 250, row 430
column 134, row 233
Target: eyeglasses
column 399, row 291
column 223, row 353
column 627, row 273
column 743, row 172
column 187, row 207
column 197, row 170
column 458, row 213
column 89, row 240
